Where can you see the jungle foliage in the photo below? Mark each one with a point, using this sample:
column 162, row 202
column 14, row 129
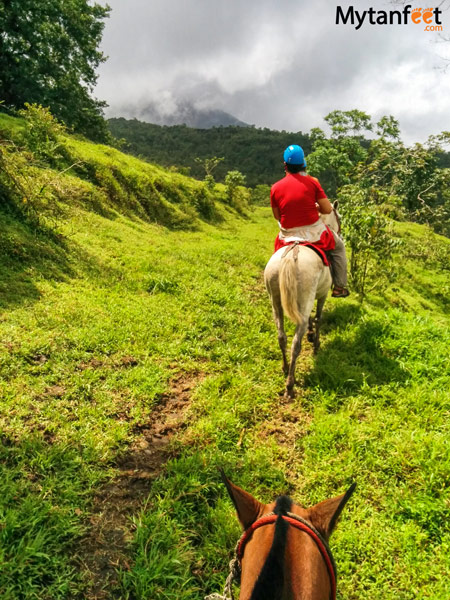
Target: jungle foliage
column 256, row 153
column 377, row 181
column 48, row 55
column 404, row 181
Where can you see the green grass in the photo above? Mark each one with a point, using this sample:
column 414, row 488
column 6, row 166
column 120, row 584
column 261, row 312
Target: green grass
column 373, row 406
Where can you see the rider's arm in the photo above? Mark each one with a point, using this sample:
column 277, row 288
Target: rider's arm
column 274, row 204
column 325, row 206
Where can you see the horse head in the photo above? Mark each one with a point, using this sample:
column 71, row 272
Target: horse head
column 333, row 219
column 283, row 552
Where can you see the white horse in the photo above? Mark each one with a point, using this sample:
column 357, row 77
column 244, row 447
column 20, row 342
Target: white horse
column 294, row 279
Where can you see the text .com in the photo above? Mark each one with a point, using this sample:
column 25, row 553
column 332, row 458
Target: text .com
column 430, row 17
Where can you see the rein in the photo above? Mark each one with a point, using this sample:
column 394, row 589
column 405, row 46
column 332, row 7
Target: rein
column 297, row 522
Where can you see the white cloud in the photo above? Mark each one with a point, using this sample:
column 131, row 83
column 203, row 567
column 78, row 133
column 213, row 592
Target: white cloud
column 281, row 64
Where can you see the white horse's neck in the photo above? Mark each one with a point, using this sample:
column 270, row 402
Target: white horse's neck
column 332, row 221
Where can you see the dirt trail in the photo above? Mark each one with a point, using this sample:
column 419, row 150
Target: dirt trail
column 111, row 529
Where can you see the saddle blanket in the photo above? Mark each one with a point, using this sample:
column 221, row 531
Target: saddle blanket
column 317, row 250
column 322, row 239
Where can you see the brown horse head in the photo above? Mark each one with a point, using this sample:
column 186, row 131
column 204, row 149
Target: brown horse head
column 284, row 552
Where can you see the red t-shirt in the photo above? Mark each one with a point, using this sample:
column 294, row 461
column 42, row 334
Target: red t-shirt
column 295, row 196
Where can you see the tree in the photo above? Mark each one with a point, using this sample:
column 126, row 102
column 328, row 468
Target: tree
column 48, row 56
column 342, row 122
column 334, row 158
column 369, row 235
column 209, row 164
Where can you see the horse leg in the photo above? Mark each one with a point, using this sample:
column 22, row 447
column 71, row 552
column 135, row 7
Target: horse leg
column 310, row 335
column 278, row 317
column 317, row 322
column 295, row 351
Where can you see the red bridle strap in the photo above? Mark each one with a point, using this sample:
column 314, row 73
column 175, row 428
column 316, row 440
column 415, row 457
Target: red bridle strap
column 298, row 524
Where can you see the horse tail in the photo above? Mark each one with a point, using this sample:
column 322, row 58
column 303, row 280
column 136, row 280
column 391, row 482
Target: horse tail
column 289, row 283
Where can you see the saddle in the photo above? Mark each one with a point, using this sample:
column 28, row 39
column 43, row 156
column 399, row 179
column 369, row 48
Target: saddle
column 294, row 246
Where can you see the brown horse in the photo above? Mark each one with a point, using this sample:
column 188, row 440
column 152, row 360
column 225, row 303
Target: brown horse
column 283, row 553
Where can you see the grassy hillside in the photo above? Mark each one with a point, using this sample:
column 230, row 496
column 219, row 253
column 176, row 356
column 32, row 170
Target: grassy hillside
column 109, row 318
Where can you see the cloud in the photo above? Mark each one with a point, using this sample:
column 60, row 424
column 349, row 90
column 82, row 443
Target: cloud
column 280, row 64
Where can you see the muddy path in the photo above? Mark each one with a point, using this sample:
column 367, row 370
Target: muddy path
column 104, row 549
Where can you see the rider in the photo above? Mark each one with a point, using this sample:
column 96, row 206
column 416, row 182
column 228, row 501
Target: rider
column 296, row 201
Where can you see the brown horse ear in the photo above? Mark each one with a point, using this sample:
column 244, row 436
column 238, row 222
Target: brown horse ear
column 336, row 204
column 248, row 508
column 325, row 514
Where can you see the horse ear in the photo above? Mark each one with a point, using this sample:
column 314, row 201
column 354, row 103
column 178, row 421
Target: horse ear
column 325, row 514
column 336, row 204
column 248, row 508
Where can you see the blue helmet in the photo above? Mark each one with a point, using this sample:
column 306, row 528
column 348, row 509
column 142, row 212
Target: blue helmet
column 294, row 155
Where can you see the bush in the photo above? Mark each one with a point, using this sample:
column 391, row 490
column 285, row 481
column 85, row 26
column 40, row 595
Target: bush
column 369, row 235
column 238, row 196
column 43, row 134
column 233, row 180
column 204, row 203
column 260, row 195
column 210, row 182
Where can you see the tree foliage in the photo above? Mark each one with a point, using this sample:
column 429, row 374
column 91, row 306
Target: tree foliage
column 376, row 179
column 257, row 153
column 402, row 178
column 369, row 235
column 237, row 194
column 49, row 54
column 209, row 164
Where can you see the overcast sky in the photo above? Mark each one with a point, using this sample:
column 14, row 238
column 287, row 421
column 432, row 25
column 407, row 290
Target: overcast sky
column 282, row 64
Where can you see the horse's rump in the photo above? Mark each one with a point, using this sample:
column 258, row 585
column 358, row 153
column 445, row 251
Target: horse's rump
column 299, row 274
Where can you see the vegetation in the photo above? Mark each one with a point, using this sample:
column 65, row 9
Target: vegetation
column 376, row 181
column 42, row 166
column 48, row 55
column 144, row 277
column 403, row 181
column 257, row 153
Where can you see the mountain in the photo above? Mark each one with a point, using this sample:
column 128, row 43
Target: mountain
column 184, row 113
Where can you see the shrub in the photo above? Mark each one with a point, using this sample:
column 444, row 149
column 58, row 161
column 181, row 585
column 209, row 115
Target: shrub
column 369, row 235
column 43, row 134
column 238, row 196
column 204, row 203
column 210, row 182
column 260, row 195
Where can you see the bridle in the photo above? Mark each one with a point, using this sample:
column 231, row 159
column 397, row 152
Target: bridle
column 299, row 523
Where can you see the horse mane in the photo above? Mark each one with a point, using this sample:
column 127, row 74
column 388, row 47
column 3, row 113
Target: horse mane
column 269, row 585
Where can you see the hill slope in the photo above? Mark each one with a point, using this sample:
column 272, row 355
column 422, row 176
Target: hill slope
column 109, row 318
column 257, row 153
